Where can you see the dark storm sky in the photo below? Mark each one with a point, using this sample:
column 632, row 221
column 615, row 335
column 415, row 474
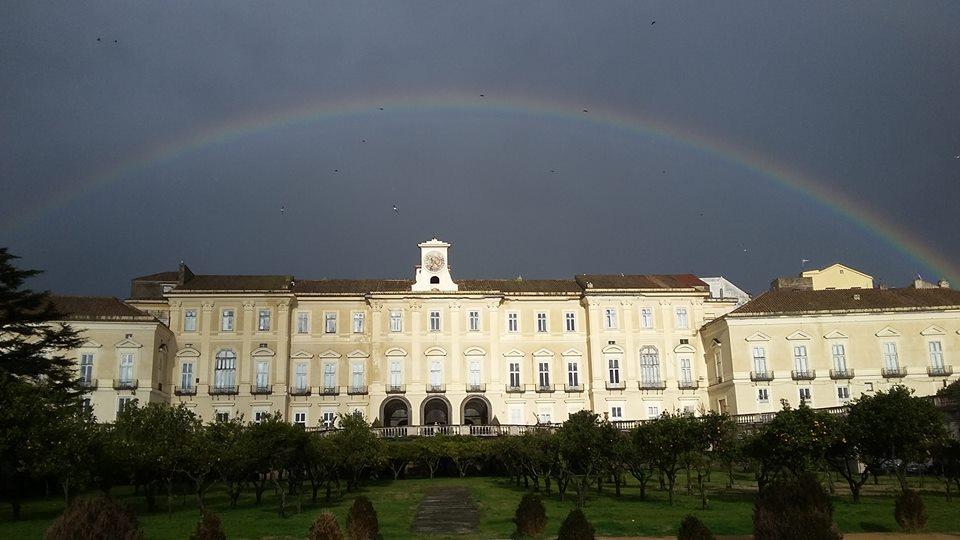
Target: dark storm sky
column 864, row 97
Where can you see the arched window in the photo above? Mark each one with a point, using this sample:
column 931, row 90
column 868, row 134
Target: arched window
column 225, row 370
column 434, row 280
column 650, row 367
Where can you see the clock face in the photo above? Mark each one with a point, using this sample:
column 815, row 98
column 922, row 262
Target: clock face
column 434, row 261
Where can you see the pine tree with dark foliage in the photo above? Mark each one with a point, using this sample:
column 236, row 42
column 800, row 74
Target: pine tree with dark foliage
column 691, row 528
column 530, row 517
column 576, row 527
column 362, row 521
column 209, row 528
column 794, row 508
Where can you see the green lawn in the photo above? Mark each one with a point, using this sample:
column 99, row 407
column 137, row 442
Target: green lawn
column 729, row 512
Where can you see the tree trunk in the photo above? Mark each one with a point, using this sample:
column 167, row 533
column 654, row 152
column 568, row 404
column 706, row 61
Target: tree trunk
column 15, row 508
column 66, row 492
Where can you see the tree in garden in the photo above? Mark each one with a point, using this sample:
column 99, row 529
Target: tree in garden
column 673, row 437
column 208, row 528
column 361, row 448
column 430, row 452
column 95, row 518
column 691, row 528
column 464, row 451
column 325, row 528
column 362, row 521
column 576, row 526
column 795, row 441
column 39, row 384
column 232, row 454
column 909, row 510
column 640, row 459
column 946, row 459
column 894, row 427
column 398, row 454
column 536, row 449
column 581, row 451
column 530, row 518
column 794, row 508
column 274, row 457
column 324, row 465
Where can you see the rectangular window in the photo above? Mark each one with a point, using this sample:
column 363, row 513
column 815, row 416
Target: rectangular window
column 186, row 375
column 542, row 322
column 544, row 374
column 513, row 322
column 514, row 375
column 473, row 321
column 516, row 414
column 86, row 368
column 682, row 322
column 800, row 358
column 303, row 322
column 330, row 323
column 190, row 320
column 126, row 367
column 610, row 318
column 260, row 416
column 123, row 403
column 263, row 320
column 570, row 321
column 329, row 376
column 890, row 359
column 300, row 380
column 434, row 321
column 686, row 371
column 613, row 365
column 300, row 418
column 616, row 412
column 759, row 360
column 226, row 320
column 263, row 374
column 396, row 373
column 473, row 374
column 329, row 419
column 573, row 374
column 436, row 373
column 646, row 318
column 653, row 411
column 936, row 354
column 718, row 361
column 544, row 416
column 805, row 395
column 396, row 320
column 223, row 416
column 763, row 395
column 843, row 394
column 358, row 322
column 86, row 405
column 357, row 376
column 839, row 358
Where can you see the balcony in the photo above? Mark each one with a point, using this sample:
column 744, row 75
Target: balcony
column 940, row 371
column 841, row 373
column 573, row 388
column 396, row 388
column 803, row 375
column 436, row 388
column 616, row 385
column 125, row 384
column 299, row 390
column 652, row 385
column 357, row 390
column 329, row 391
column 688, row 385
column 90, row 384
column 511, row 389
column 223, row 391
column 761, row 376
column 261, row 389
column 893, row 373
column 184, row 390
column 545, row 389
column 476, row 388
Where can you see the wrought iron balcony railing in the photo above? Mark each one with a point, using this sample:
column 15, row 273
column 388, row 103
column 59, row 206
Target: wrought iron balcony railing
column 476, row 387
column 803, row 375
column 761, row 375
column 125, row 384
column 841, row 373
column 545, row 389
column 616, row 385
column 573, row 388
column 939, row 371
column 184, row 390
column 894, row 373
column 88, row 384
column 688, row 384
column 436, row 388
column 396, row 388
column 223, row 390
column 329, row 391
column 261, row 389
column 357, row 390
column 652, row 385
column 300, row 390
column 518, row 389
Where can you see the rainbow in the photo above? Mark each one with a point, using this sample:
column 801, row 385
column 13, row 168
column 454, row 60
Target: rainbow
column 232, row 129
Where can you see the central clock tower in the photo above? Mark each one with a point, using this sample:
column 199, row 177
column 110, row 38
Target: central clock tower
column 433, row 272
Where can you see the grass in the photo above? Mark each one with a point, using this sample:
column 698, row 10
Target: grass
column 729, row 511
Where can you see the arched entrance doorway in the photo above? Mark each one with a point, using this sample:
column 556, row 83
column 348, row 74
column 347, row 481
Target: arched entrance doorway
column 436, row 411
column 396, row 412
column 476, row 412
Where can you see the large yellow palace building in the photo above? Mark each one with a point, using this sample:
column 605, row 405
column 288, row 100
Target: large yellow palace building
column 439, row 351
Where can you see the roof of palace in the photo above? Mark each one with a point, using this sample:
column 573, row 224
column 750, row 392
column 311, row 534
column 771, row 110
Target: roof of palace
column 641, row 281
column 96, row 308
column 786, row 301
column 236, row 283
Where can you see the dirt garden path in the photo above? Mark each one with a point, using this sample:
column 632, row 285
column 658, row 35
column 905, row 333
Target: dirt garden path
column 446, row 510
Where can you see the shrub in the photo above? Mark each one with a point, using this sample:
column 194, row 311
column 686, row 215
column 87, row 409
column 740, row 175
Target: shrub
column 910, row 511
column 325, row 528
column 691, row 528
column 794, row 508
column 208, row 528
column 362, row 520
column 531, row 516
column 95, row 518
column 576, row 527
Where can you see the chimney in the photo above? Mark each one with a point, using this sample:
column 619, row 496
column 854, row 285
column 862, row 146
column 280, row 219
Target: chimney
column 943, row 284
column 183, row 274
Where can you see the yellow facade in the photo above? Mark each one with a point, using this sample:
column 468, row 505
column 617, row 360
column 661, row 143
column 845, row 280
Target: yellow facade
column 838, row 276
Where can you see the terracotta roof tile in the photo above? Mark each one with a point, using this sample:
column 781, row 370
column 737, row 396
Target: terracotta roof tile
column 236, row 283
column 520, row 285
column 799, row 301
column 96, row 308
column 159, row 276
column 350, row 286
column 641, row 281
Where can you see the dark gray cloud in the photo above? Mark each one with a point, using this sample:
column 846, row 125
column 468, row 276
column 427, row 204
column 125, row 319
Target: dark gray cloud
column 861, row 97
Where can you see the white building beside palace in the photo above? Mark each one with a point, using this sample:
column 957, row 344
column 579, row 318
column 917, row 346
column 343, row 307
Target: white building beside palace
column 435, row 350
